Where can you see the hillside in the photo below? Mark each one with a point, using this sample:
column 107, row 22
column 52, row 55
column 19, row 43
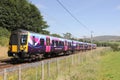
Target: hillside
column 106, row 38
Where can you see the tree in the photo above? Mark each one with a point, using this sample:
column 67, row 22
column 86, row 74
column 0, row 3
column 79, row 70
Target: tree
column 81, row 40
column 67, row 35
column 4, row 32
column 115, row 46
column 20, row 14
column 56, row 35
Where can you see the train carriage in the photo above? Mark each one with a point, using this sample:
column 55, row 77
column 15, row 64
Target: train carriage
column 25, row 44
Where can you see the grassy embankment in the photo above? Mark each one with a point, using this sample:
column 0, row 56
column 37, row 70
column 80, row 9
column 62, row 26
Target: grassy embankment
column 110, row 66
column 4, row 40
column 3, row 47
column 101, row 64
column 86, row 66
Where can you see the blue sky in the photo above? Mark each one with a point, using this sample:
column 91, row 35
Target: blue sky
column 100, row 16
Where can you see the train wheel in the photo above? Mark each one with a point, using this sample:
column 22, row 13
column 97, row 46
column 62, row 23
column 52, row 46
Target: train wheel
column 14, row 60
column 29, row 60
column 47, row 55
column 39, row 57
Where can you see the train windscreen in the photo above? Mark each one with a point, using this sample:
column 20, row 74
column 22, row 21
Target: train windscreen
column 23, row 40
column 13, row 39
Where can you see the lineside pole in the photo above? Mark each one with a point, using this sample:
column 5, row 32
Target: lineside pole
column 19, row 72
column 91, row 40
column 5, row 74
column 42, row 65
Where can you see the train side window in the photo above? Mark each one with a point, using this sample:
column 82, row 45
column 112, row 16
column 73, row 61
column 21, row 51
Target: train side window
column 60, row 43
column 42, row 42
column 70, row 44
column 80, row 45
column 56, row 43
column 53, row 42
column 47, row 41
column 23, row 39
column 77, row 45
column 33, row 40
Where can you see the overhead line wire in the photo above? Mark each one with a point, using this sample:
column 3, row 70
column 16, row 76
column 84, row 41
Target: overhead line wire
column 73, row 16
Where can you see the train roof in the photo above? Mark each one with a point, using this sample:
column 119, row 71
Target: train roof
column 62, row 39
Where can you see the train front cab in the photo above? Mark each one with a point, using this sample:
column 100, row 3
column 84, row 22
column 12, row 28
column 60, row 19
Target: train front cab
column 18, row 44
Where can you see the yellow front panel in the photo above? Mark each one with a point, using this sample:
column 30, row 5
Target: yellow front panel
column 24, row 48
column 14, row 48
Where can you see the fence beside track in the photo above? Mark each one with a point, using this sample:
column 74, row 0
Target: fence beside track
column 43, row 70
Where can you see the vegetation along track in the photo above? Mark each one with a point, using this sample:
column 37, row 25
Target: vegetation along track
column 10, row 62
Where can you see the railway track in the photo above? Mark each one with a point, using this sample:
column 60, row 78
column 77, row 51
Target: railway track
column 6, row 63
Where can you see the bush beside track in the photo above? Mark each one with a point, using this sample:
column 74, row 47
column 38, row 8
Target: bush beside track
column 4, row 41
column 4, row 36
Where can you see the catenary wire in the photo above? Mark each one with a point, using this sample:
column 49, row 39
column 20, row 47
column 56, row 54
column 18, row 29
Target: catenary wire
column 75, row 18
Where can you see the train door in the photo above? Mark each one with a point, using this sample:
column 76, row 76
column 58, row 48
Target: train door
column 66, row 46
column 42, row 45
column 48, row 47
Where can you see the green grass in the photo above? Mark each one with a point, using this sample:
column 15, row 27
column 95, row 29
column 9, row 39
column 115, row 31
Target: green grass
column 4, row 41
column 110, row 66
column 101, row 64
column 115, row 42
column 4, row 36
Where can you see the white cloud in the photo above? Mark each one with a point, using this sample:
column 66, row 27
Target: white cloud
column 118, row 7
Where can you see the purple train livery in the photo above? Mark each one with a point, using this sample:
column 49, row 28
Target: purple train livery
column 26, row 44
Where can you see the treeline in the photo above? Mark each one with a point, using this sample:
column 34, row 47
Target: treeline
column 21, row 14
column 4, row 36
column 115, row 46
